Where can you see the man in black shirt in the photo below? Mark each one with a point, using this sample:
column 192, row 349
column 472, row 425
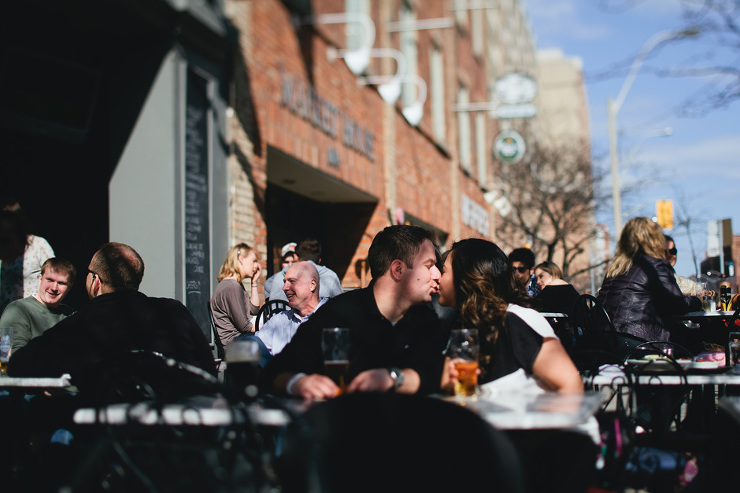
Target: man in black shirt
column 394, row 332
column 118, row 319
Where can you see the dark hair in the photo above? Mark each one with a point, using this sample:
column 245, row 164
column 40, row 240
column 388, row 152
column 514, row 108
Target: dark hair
column 485, row 284
column 401, row 242
column 668, row 238
column 288, row 254
column 61, row 265
column 523, row 255
column 119, row 266
column 309, row 249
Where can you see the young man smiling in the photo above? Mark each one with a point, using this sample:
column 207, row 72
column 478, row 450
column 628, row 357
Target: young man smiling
column 394, row 332
column 31, row 316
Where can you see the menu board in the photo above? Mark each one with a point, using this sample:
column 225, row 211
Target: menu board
column 197, row 206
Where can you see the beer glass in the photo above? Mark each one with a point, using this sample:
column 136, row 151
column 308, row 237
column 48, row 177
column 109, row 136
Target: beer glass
column 242, row 367
column 463, row 351
column 335, row 345
column 733, row 350
column 6, row 343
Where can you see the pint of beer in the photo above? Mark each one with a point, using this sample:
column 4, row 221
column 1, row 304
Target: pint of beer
column 463, row 350
column 242, row 368
column 6, row 343
column 335, row 345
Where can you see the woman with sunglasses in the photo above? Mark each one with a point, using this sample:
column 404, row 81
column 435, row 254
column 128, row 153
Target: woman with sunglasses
column 686, row 285
column 232, row 307
column 639, row 291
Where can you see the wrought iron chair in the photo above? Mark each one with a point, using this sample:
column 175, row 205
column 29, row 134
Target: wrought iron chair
column 267, row 310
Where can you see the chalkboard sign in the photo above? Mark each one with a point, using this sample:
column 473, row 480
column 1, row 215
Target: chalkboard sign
column 197, row 209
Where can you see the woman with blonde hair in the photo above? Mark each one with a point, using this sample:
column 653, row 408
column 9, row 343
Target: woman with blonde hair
column 232, row 308
column 639, row 291
column 556, row 295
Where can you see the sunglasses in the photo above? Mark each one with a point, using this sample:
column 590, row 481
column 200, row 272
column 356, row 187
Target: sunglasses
column 521, row 270
column 672, row 251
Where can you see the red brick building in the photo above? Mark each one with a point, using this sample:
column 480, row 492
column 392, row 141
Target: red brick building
column 318, row 151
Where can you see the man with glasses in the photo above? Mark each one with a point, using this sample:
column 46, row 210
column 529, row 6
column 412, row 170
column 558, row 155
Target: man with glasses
column 522, row 260
column 687, row 286
column 118, row 320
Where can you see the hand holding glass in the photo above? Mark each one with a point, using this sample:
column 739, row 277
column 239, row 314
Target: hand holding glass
column 335, row 346
column 463, row 351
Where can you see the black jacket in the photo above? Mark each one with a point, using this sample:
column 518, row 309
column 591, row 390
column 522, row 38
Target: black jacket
column 644, row 301
column 109, row 326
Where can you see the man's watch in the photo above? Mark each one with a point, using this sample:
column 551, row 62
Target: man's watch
column 397, row 377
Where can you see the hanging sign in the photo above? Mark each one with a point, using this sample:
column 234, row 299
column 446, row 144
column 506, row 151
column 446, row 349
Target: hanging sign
column 509, row 147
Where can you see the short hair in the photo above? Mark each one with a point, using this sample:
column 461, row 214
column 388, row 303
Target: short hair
column 119, row 266
column 551, row 268
column 523, row 255
column 399, row 241
column 61, row 265
column 288, row 254
column 309, row 249
column 308, row 269
column 230, row 267
column 668, row 238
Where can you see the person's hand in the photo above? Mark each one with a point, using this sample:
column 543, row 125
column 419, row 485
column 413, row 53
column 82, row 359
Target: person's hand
column 377, row 380
column 257, row 272
column 315, row 386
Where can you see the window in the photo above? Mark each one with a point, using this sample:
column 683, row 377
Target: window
column 409, row 49
column 480, row 146
column 438, row 94
column 463, row 124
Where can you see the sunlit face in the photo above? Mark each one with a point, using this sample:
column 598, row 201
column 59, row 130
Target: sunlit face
column 422, row 279
column 671, row 252
column 248, row 264
column 521, row 271
column 447, row 284
column 543, row 278
column 299, row 288
column 53, row 287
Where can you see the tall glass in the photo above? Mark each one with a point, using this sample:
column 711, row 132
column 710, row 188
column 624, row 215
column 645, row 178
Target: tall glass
column 733, row 350
column 463, row 351
column 335, row 344
column 6, row 343
column 242, row 367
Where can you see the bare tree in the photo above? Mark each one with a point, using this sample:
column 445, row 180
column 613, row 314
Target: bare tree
column 712, row 55
column 550, row 202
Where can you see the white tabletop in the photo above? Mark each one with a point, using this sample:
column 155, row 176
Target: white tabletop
column 35, row 383
column 714, row 314
column 523, row 411
column 611, row 376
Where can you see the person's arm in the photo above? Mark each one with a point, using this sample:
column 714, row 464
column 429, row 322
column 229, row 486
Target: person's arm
column 254, row 297
column 14, row 317
column 554, row 369
column 314, row 386
column 379, row 380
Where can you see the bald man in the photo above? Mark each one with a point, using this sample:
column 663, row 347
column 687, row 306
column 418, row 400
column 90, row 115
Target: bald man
column 301, row 286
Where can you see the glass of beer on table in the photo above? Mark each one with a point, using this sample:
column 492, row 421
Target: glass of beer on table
column 335, row 346
column 463, row 351
column 6, row 343
column 242, row 367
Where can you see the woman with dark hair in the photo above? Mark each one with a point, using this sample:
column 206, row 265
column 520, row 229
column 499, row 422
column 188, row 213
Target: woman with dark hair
column 518, row 348
column 232, row 307
column 639, row 291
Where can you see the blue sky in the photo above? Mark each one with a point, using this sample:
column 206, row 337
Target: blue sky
column 697, row 166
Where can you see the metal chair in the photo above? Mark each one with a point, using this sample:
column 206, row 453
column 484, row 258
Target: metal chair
column 220, row 351
column 267, row 310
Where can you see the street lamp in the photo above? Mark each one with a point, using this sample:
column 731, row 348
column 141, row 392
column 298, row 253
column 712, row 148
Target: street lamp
column 614, row 106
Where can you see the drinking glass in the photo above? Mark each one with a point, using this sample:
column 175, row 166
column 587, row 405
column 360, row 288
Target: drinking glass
column 463, row 350
column 733, row 349
column 708, row 303
column 242, row 367
column 335, row 345
column 6, row 343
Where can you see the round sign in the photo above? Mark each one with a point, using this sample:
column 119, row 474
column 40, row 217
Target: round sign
column 509, row 147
